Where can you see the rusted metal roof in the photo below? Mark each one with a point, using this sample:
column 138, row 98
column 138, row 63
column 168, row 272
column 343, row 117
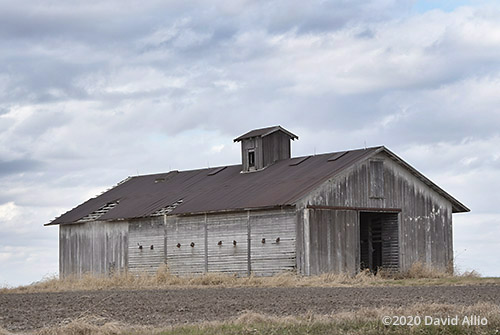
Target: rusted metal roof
column 264, row 132
column 223, row 189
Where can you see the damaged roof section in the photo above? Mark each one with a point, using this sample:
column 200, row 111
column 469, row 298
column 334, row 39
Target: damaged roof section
column 96, row 215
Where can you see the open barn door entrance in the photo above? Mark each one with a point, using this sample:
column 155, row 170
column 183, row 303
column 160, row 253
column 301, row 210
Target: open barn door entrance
column 379, row 242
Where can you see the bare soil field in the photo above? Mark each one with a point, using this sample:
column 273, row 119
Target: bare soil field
column 31, row 311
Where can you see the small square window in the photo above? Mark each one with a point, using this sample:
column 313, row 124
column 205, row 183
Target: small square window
column 251, row 158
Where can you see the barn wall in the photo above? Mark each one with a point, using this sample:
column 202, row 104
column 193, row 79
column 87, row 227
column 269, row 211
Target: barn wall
column 92, row 247
column 425, row 227
column 246, row 228
column 146, row 233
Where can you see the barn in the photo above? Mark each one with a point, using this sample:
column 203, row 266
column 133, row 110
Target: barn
column 336, row 212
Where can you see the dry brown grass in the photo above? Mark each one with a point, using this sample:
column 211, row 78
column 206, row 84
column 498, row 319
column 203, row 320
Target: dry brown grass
column 85, row 325
column 419, row 270
column 366, row 320
column 418, row 274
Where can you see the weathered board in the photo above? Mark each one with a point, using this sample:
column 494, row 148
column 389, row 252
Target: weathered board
column 275, row 146
column 146, row 245
column 376, row 178
column 185, row 246
column 223, row 254
column 92, row 247
column 333, row 245
column 273, row 256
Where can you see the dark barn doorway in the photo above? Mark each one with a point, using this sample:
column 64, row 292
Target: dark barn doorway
column 379, row 241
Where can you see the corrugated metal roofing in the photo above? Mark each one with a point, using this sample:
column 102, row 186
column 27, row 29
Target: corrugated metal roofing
column 265, row 132
column 201, row 191
column 220, row 189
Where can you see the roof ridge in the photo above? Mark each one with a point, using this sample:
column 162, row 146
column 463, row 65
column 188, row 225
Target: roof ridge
column 233, row 165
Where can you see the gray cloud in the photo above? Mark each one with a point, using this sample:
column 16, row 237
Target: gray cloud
column 18, row 166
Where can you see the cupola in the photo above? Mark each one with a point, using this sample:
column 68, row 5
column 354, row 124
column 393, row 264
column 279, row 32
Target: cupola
column 262, row 147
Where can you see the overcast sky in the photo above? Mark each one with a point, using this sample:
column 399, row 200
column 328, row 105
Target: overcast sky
column 91, row 93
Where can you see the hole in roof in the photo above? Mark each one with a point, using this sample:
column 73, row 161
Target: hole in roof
column 99, row 212
column 167, row 209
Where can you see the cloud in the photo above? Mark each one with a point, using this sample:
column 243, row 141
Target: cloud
column 474, row 249
column 27, row 251
column 17, row 166
column 27, row 264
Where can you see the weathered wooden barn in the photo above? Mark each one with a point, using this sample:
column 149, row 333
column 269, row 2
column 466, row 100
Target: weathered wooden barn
column 335, row 212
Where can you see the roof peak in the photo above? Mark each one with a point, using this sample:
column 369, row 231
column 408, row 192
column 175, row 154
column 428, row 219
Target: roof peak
column 261, row 132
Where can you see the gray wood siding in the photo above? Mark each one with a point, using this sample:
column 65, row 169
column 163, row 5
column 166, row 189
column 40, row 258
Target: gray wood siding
column 184, row 231
column 425, row 231
column 252, row 143
column 273, row 257
column 275, row 146
column 92, row 247
column 227, row 257
column 300, row 240
column 334, row 238
column 146, row 232
column 377, row 178
column 208, row 255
